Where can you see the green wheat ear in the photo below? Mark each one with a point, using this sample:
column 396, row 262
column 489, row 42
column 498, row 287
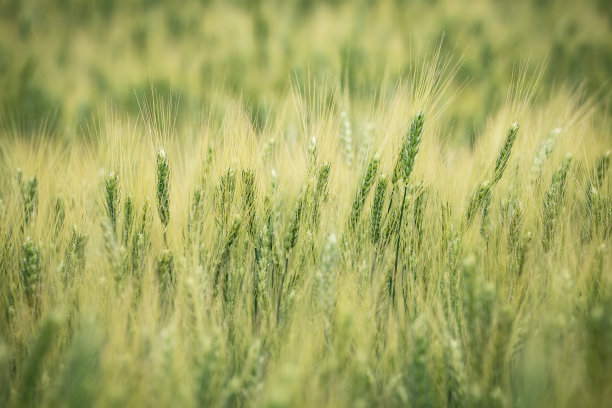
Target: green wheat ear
column 366, row 184
column 111, row 188
column 553, row 201
column 292, row 233
column 504, row 153
column 165, row 276
column 226, row 190
column 410, row 147
column 249, row 196
column 376, row 213
column 30, row 270
column 29, row 194
column 226, row 251
column 419, row 211
column 163, row 188
column 403, row 170
column 546, row 148
column 478, row 198
column 128, row 219
column 74, row 259
column 320, row 194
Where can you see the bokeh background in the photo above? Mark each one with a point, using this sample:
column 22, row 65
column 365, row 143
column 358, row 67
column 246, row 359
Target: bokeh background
column 63, row 62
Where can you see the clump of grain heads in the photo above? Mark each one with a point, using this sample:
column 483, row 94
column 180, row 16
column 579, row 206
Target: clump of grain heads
column 333, row 287
column 481, row 198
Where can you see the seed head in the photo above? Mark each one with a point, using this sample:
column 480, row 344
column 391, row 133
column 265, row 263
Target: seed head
column 30, row 269
column 504, row 153
column 163, row 187
column 553, row 201
column 111, row 184
column 29, row 193
column 366, row 184
column 410, row 148
column 377, row 207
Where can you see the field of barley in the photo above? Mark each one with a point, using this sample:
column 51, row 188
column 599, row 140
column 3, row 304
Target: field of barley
column 305, row 203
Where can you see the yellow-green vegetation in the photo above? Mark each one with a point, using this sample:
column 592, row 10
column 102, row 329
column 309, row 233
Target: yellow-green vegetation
column 289, row 237
column 63, row 59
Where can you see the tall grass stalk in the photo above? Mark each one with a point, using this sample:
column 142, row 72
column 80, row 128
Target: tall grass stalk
column 403, row 170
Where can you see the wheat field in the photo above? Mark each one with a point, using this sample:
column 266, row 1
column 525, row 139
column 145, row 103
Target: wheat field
column 344, row 246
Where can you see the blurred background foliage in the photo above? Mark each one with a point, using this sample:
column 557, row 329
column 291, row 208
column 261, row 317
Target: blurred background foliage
column 62, row 61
